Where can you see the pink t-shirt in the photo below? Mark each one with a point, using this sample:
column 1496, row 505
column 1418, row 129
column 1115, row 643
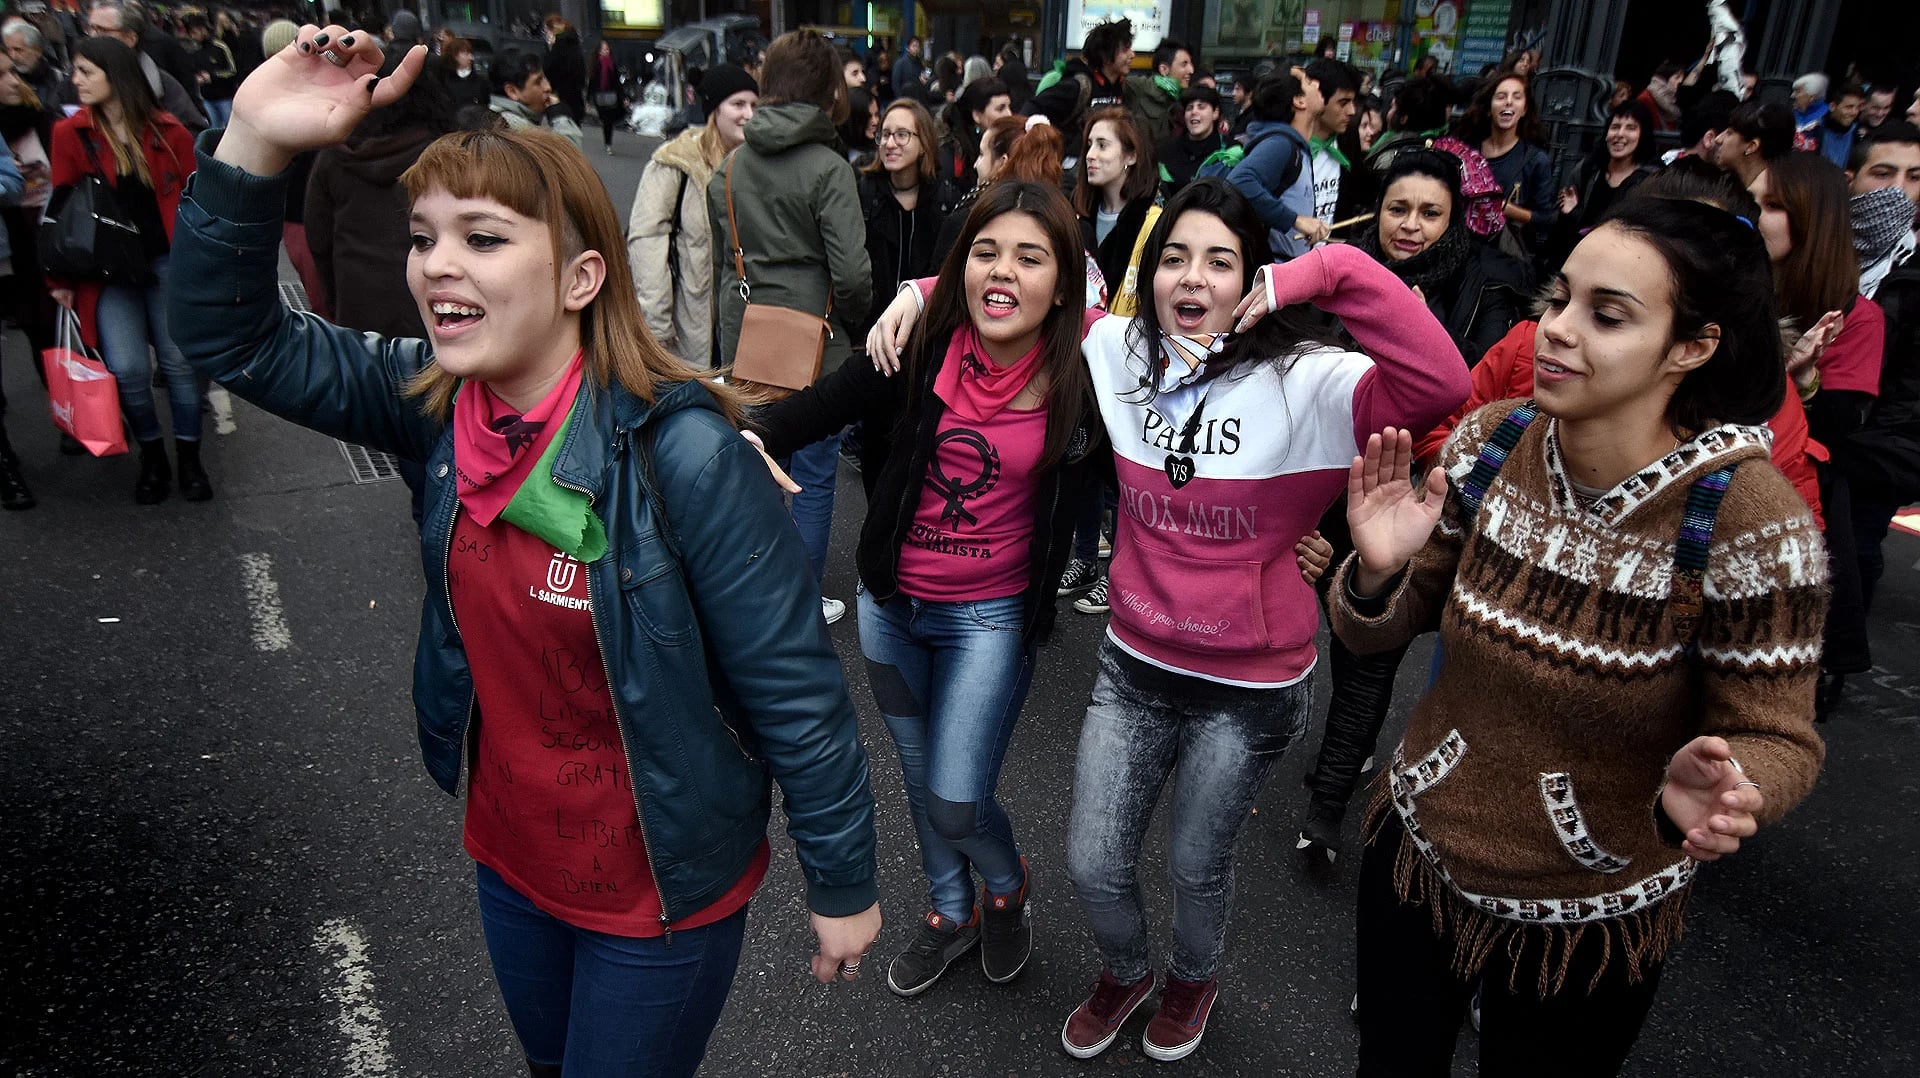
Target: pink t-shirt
column 972, row 533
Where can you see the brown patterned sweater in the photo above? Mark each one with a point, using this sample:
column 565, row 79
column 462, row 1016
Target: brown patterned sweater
column 1530, row 772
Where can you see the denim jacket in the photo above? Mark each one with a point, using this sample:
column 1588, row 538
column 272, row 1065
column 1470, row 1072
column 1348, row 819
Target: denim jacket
column 703, row 606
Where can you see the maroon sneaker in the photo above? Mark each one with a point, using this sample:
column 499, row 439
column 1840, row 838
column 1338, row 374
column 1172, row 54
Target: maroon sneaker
column 1177, row 1027
column 1093, row 1025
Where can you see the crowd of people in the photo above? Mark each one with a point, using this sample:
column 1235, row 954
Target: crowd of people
column 1629, row 445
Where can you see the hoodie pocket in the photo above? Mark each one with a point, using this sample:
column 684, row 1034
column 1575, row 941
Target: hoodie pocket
column 1194, row 604
column 1570, row 825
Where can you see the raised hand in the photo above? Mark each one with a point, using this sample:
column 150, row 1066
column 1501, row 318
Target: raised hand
column 1389, row 519
column 1710, row 799
column 311, row 94
column 1812, row 344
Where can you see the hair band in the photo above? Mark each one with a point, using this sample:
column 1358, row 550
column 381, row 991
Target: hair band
column 1743, row 220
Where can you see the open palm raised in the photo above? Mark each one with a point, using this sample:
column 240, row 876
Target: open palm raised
column 311, row 94
column 1389, row 518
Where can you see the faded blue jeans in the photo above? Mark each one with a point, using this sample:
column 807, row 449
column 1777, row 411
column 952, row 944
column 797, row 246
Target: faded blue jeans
column 950, row 679
column 1218, row 743
column 128, row 321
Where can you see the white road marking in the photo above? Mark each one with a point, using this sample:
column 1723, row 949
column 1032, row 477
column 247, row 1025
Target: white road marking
column 359, row 1020
column 270, row 631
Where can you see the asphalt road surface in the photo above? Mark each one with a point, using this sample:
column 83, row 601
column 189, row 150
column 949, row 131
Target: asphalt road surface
column 219, row 854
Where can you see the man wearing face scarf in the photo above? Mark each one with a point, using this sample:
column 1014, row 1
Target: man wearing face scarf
column 1882, row 459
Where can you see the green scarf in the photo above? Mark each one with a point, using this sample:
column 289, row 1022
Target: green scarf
column 1315, row 145
column 559, row 514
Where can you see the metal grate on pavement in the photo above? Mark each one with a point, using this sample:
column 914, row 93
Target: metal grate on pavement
column 363, row 464
column 368, row 465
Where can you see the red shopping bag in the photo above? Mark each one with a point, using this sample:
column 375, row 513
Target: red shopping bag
column 84, row 396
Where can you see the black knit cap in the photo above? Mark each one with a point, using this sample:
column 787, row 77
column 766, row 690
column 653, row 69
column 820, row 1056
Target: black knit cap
column 721, row 82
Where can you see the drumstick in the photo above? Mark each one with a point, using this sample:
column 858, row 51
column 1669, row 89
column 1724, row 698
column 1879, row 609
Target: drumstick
column 1338, row 225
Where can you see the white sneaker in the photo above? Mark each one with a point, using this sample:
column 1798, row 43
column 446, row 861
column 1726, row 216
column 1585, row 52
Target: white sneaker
column 832, row 609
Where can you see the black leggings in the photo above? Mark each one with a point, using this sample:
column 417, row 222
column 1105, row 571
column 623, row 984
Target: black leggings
column 609, row 119
column 1412, row 1003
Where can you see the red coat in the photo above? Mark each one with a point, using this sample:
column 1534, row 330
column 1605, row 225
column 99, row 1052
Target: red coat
column 1506, row 372
column 169, row 159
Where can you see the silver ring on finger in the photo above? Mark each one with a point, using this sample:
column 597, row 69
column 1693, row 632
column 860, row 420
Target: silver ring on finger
column 336, row 59
column 850, row 970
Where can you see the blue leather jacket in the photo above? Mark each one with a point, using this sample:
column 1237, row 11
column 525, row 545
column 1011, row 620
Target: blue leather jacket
column 708, row 622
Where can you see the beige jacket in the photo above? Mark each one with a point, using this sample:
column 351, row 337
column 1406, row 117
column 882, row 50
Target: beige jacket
column 676, row 299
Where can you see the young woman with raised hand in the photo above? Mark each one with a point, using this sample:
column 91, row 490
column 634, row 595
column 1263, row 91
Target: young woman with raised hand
column 1630, row 600
column 993, row 435
column 612, row 583
column 122, row 136
column 1232, row 427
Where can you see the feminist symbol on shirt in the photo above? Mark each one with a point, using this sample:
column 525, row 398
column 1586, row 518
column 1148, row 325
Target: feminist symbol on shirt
column 957, row 489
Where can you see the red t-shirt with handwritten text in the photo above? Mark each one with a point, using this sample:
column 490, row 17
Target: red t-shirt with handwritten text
column 549, row 806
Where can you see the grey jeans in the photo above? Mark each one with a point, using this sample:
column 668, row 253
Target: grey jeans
column 1218, row 742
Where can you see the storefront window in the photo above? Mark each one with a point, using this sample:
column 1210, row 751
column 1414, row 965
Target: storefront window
column 1462, row 35
column 621, row 13
column 1148, row 16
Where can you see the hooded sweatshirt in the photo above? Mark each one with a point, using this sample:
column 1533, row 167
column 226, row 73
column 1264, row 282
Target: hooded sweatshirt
column 801, row 229
column 356, row 214
column 1530, row 773
column 520, row 117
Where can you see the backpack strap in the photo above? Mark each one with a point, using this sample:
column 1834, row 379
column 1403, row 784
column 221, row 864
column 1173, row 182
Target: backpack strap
column 1493, row 455
column 1686, row 595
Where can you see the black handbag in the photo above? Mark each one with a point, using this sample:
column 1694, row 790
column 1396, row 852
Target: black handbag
column 87, row 235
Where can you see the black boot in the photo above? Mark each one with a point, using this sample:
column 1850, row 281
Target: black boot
column 194, row 484
column 543, row 1070
column 156, row 475
column 13, row 489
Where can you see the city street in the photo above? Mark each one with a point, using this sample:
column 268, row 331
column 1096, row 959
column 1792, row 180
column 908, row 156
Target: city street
column 220, row 855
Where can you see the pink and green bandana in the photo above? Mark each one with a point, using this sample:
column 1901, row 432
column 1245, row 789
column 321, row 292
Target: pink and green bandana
column 503, row 466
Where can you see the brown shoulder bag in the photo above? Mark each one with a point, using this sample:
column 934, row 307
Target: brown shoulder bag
column 778, row 348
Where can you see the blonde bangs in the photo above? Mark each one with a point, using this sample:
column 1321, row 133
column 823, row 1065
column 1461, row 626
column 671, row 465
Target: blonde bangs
column 541, row 176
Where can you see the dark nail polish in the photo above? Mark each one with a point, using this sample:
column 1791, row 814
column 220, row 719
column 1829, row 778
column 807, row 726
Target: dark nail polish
column 347, row 42
column 306, row 46
column 372, row 85
column 319, row 39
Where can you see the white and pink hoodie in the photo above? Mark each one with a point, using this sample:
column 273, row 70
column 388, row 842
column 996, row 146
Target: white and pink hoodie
column 1203, row 580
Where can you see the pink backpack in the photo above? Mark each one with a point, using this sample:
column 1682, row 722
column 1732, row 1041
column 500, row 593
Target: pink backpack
column 1486, row 203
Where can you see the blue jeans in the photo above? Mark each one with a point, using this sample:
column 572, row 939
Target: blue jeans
column 815, row 468
column 605, row 1006
column 950, row 679
column 1217, row 742
column 219, row 113
column 129, row 321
